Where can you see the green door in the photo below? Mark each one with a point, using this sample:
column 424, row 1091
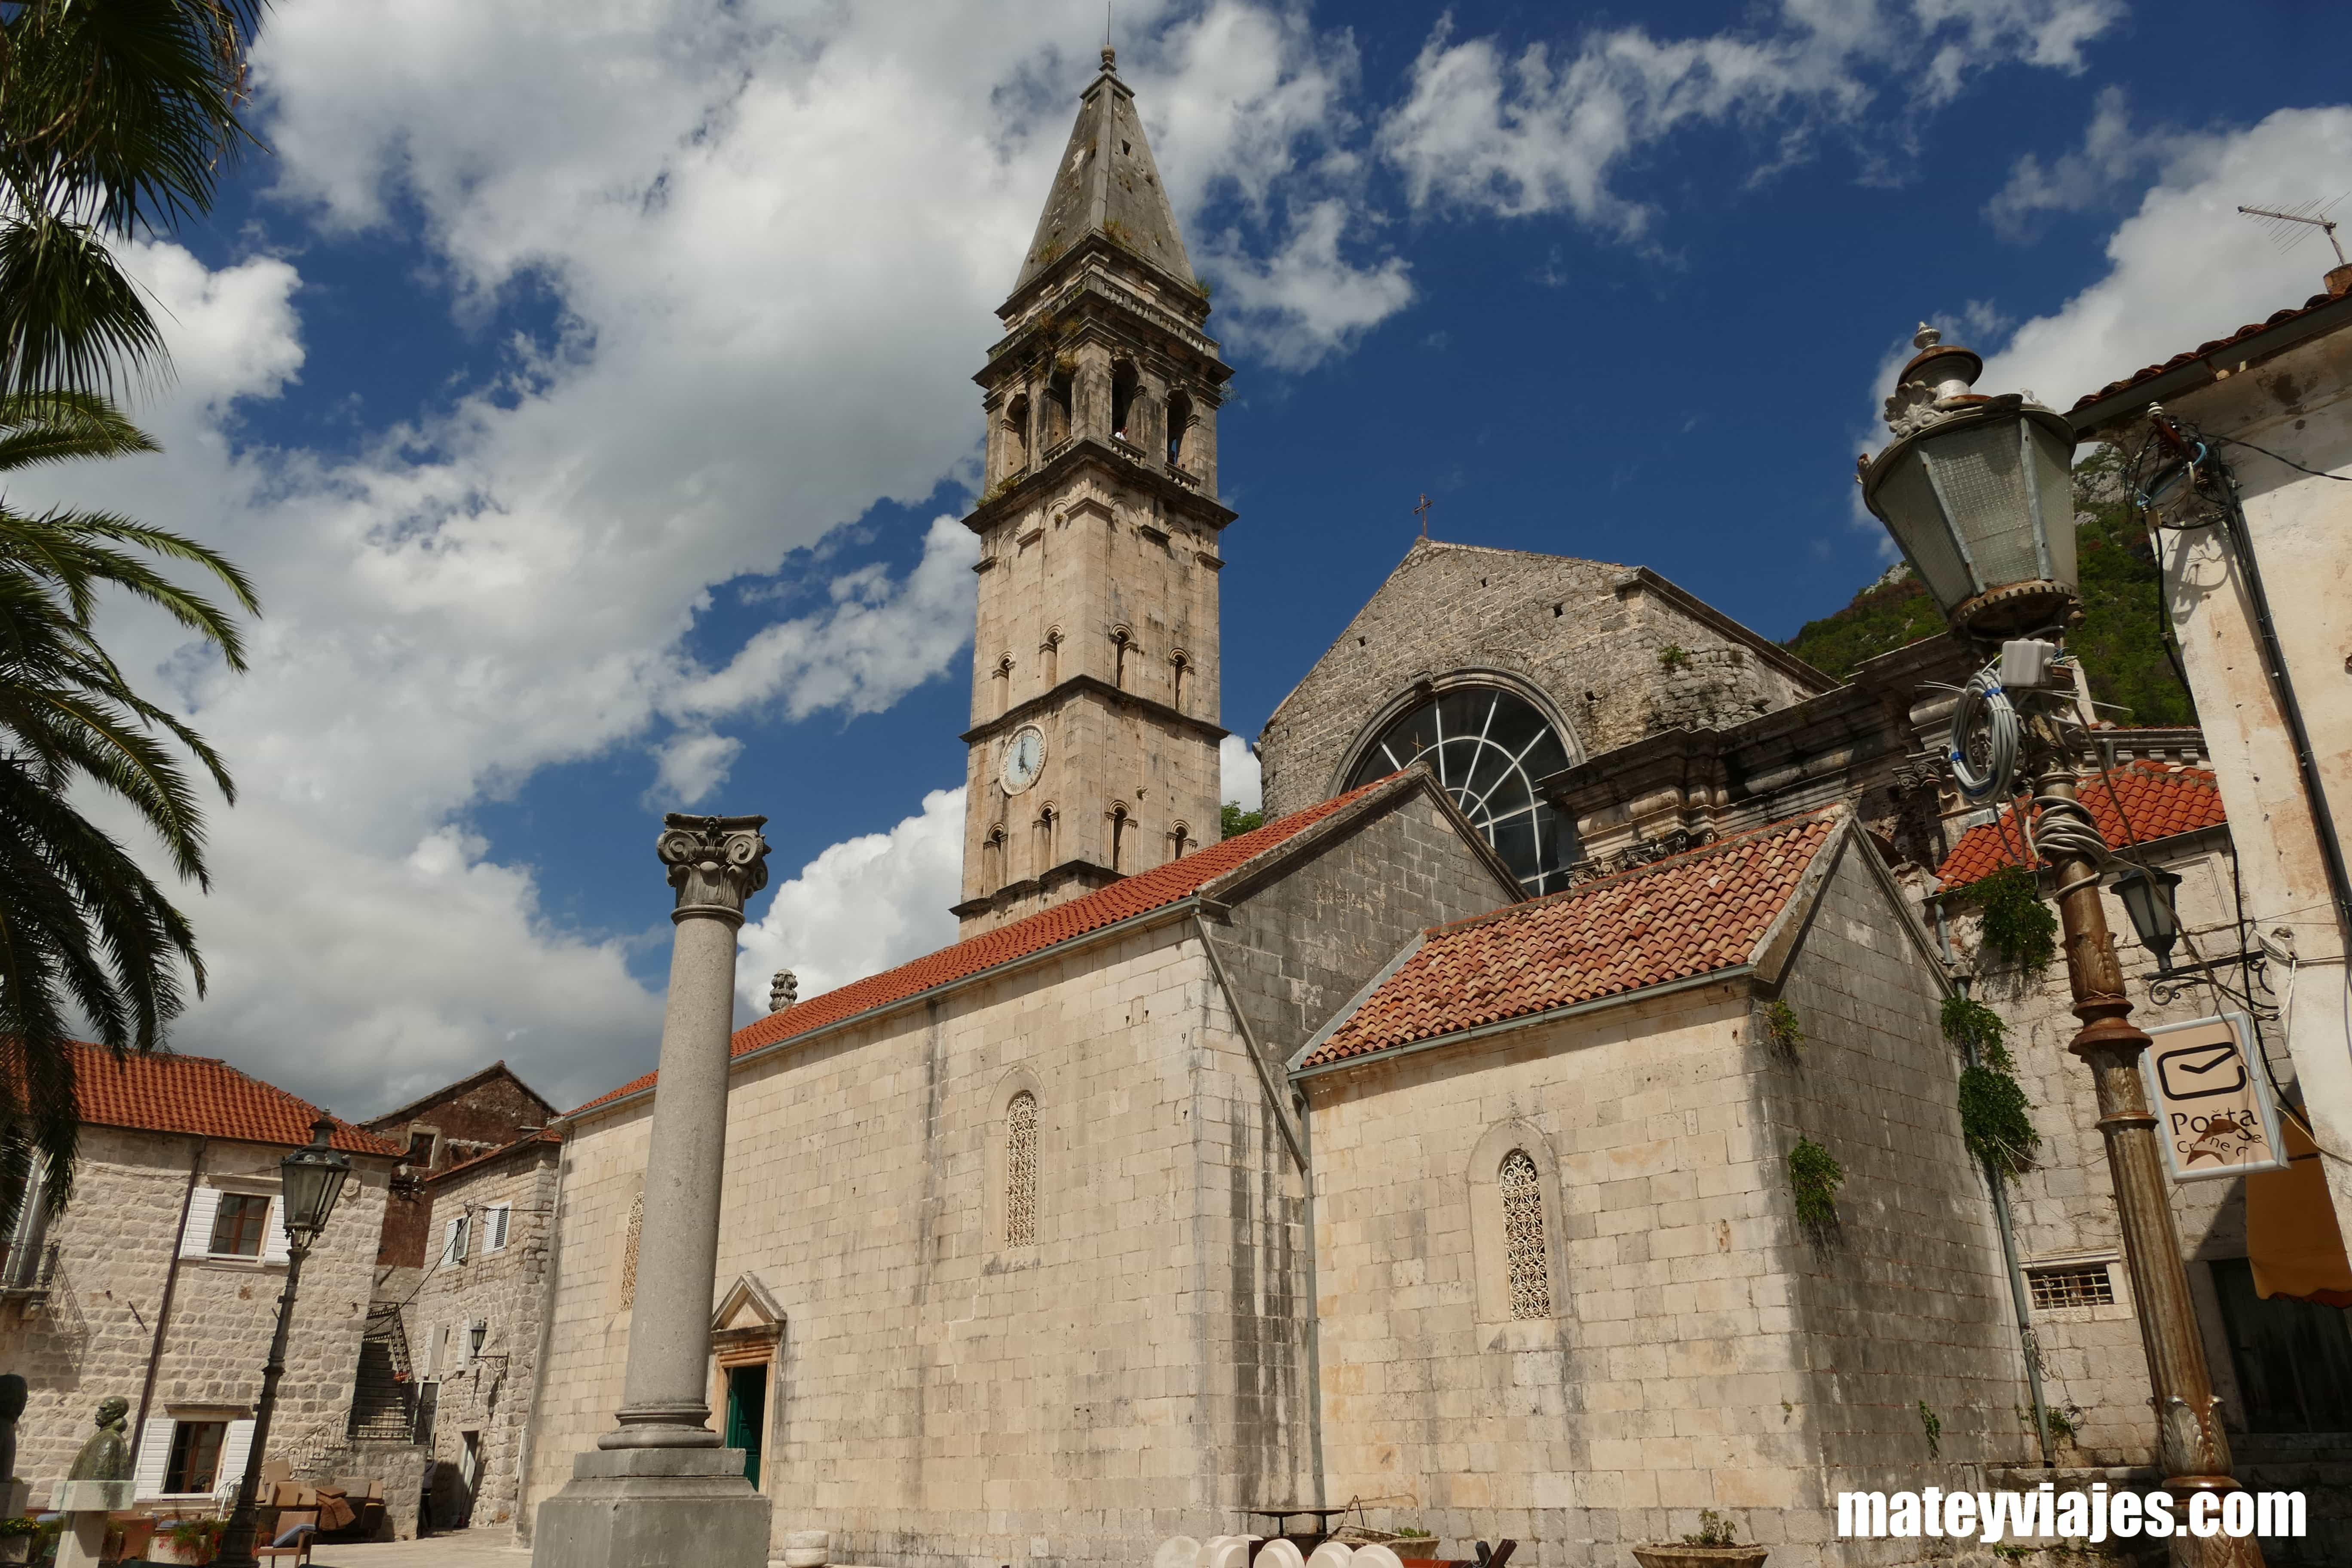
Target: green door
column 747, row 1415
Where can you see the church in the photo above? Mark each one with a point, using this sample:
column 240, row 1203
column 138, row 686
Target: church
column 1430, row 1145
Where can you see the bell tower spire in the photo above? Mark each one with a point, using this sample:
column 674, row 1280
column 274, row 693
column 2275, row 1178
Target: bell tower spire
column 1095, row 658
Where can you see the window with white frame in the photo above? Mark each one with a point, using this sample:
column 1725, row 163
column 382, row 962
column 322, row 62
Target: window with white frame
column 229, row 1224
column 496, row 1220
column 192, row 1456
column 457, row 1237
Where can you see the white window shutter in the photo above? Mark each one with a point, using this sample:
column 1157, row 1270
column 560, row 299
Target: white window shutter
column 498, row 1217
column 235, row 1447
column 437, row 1350
column 196, row 1236
column 154, row 1457
column 449, row 1253
column 275, row 1246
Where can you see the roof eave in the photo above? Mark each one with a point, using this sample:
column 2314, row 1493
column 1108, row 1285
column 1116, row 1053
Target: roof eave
column 1529, row 1020
column 2126, row 404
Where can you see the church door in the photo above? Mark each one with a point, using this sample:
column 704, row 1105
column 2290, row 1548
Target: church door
column 747, row 1415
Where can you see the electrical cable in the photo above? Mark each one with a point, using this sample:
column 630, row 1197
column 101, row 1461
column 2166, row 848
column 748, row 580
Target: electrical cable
column 1983, row 696
column 2290, row 462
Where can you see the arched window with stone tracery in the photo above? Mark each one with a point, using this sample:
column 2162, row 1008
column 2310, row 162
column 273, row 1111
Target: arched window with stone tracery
column 1021, row 1170
column 629, row 1252
column 1525, row 1242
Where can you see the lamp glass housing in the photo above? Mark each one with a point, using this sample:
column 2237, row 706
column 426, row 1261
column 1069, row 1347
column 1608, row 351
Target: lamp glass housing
column 1982, row 500
column 2147, row 895
column 313, row 1178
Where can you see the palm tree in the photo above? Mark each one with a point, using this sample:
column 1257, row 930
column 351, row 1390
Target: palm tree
column 116, row 116
column 82, row 929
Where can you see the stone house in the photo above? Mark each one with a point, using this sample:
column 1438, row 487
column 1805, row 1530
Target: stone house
column 159, row 1282
column 2282, row 1367
column 1564, row 1290
column 456, row 1122
column 474, row 1325
column 2254, row 593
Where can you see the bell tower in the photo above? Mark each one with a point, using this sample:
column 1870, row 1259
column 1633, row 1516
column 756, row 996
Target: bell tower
column 1094, row 705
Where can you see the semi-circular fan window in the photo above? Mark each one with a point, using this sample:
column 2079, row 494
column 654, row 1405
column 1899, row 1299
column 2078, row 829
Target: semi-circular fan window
column 1487, row 747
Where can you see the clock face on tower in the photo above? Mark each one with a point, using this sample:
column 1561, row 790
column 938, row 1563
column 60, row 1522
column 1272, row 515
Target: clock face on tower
column 1025, row 758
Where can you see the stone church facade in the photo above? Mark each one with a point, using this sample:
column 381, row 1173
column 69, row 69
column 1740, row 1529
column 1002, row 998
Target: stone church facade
column 1404, row 1147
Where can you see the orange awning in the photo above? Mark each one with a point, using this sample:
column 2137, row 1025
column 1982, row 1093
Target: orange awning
column 2292, row 1239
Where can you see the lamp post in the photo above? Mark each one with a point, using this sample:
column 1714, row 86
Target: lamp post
column 2146, row 894
column 313, row 1178
column 1976, row 491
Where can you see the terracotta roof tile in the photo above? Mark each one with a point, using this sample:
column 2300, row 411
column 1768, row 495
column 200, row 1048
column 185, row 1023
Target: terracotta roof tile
column 1129, row 897
column 2252, row 329
column 1686, row 916
column 2158, row 801
column 161, row 1092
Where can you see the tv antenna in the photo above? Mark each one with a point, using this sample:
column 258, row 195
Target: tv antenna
column 2283, row 223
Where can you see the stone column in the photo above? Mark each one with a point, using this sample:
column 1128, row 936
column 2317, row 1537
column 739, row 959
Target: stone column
column 659, row 1490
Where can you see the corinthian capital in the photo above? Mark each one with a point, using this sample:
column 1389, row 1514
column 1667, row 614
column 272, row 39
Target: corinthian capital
column 715, row 862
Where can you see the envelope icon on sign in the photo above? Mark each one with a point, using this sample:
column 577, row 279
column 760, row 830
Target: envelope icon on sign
column 2201, row 1072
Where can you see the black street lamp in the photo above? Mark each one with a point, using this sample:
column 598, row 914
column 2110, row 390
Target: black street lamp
column 313, row 1178
column 2147, row 893
column 1978, row 492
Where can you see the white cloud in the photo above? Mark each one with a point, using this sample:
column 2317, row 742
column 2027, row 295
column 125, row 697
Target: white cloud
column 1307, row 301
column 2112, row 156
column 773, row 235
column 1238, row 780
column 2185, row 266
column 863, row 906
column 1547, row 131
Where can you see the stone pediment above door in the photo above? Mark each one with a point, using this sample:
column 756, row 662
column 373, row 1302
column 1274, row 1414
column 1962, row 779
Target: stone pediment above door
column 746, row 1318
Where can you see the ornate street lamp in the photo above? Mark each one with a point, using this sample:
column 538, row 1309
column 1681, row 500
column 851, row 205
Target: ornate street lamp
column 1976, row 491
column 312, row 1180
column 2146, row 894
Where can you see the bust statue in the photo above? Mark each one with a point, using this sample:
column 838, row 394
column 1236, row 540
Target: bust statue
column 105, row 1457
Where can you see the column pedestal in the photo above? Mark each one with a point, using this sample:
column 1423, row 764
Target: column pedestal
column 655, row 1508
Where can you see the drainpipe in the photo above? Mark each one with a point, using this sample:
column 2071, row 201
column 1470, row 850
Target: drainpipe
column 1313, row 1301
column 2019, row 1296
column 170, row 1285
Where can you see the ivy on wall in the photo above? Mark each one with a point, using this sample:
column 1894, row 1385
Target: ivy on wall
column 1996, row 1119
column 2019, row 928
column 1814, row 1176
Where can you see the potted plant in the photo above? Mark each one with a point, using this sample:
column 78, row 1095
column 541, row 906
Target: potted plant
column 1715, row 1546
column 1414, row 1544
column 189, row 1540
column 17, row 1537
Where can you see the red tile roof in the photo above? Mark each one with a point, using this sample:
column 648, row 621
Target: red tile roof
column 2159, row 802
column 1690, row 915
column 161, row 1092
column 1123, row 899
column 2251, row 330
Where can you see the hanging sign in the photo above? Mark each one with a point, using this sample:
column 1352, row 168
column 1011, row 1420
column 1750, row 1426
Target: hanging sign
column 2212, row 1099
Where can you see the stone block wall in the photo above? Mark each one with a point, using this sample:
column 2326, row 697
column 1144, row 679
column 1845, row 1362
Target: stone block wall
column 1617, row 654
column 942, row 1392
column 488, row 1397
column 94, row 1335
column 1699, row 1352
column 1906, row 1304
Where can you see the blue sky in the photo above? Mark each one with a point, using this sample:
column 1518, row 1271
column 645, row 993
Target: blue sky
column 588, row 383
